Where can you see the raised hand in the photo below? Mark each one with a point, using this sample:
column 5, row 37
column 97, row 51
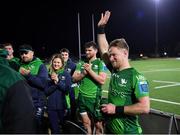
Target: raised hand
column 104, row 18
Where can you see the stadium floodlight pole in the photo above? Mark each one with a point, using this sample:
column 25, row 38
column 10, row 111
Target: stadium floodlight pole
column 156, row 28
column 93, row 28
column 79, row 36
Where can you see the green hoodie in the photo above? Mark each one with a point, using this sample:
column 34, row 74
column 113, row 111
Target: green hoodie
column 33, row 66
column 16, row 106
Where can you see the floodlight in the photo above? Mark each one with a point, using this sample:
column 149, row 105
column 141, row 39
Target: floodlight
column 165, row 53
column 157, row 1
column 141, row 55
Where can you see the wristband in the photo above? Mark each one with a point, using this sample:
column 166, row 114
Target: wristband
column 119, row 110
column 101, row 29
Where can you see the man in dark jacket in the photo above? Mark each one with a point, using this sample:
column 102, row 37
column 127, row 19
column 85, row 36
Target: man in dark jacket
column 16, row 106
column 70, row 67
column 36, row 74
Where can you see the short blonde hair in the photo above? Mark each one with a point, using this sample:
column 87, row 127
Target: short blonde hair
column 119, row 43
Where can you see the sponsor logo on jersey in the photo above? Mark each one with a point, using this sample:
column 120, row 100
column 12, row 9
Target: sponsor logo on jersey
column 118, row 93
column 62, row 77
column 140, row 78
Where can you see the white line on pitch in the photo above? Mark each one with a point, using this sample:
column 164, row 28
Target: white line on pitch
column 164, row 81
column 164, row 101
column 162, row 70
column 172, row 85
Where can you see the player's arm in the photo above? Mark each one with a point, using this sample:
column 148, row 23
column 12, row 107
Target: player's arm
column 141, row 107
column 142, row 95
column 78, row 75
column 100, row 78
column 101, row 37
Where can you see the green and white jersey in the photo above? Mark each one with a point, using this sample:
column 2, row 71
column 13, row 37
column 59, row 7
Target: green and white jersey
column 88, row 87
column 125, row 88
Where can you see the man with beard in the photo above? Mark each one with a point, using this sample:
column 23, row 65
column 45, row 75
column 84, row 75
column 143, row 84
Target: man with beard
column 91, row 74
column 36, row 74
column 128, row 93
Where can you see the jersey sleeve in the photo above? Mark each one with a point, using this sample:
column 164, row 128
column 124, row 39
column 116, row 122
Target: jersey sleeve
column 79, row 67
column 141, row 86
column 102, row 67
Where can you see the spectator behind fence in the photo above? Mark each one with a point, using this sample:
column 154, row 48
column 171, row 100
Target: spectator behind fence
column 91, row 75
column 70, row 67
column 16, row 106
column 57, row 88
column 128, row 89
column 13, row 61
column 36, row 75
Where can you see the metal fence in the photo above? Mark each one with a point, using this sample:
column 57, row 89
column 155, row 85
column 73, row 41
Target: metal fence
column 158, row 122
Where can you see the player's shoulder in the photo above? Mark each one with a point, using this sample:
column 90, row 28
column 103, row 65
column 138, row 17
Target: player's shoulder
column 139, row 76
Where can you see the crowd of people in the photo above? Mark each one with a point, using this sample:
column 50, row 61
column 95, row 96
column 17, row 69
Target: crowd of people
column 30, row 89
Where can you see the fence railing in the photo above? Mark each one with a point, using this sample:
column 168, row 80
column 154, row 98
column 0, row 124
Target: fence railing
column 157, row 122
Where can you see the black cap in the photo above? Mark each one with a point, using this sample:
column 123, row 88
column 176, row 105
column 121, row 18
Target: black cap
column 25, row 48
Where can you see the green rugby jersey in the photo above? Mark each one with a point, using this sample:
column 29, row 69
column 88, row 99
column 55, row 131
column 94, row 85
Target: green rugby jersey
column 125, row 88
column 88, row 87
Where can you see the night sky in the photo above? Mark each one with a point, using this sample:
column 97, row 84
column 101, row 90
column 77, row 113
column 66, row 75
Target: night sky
column 50, row 26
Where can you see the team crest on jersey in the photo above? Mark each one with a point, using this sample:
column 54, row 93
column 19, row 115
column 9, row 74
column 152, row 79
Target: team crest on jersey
column 62, row 77
column 68, row 70
column 95, row 67
column 123, row 82
column 82, row 68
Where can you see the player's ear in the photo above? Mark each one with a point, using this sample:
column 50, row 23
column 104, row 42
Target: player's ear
column 125, row 52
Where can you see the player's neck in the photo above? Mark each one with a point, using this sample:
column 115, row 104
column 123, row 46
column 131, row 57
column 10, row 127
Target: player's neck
column 92, row 59
column 124, row 66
